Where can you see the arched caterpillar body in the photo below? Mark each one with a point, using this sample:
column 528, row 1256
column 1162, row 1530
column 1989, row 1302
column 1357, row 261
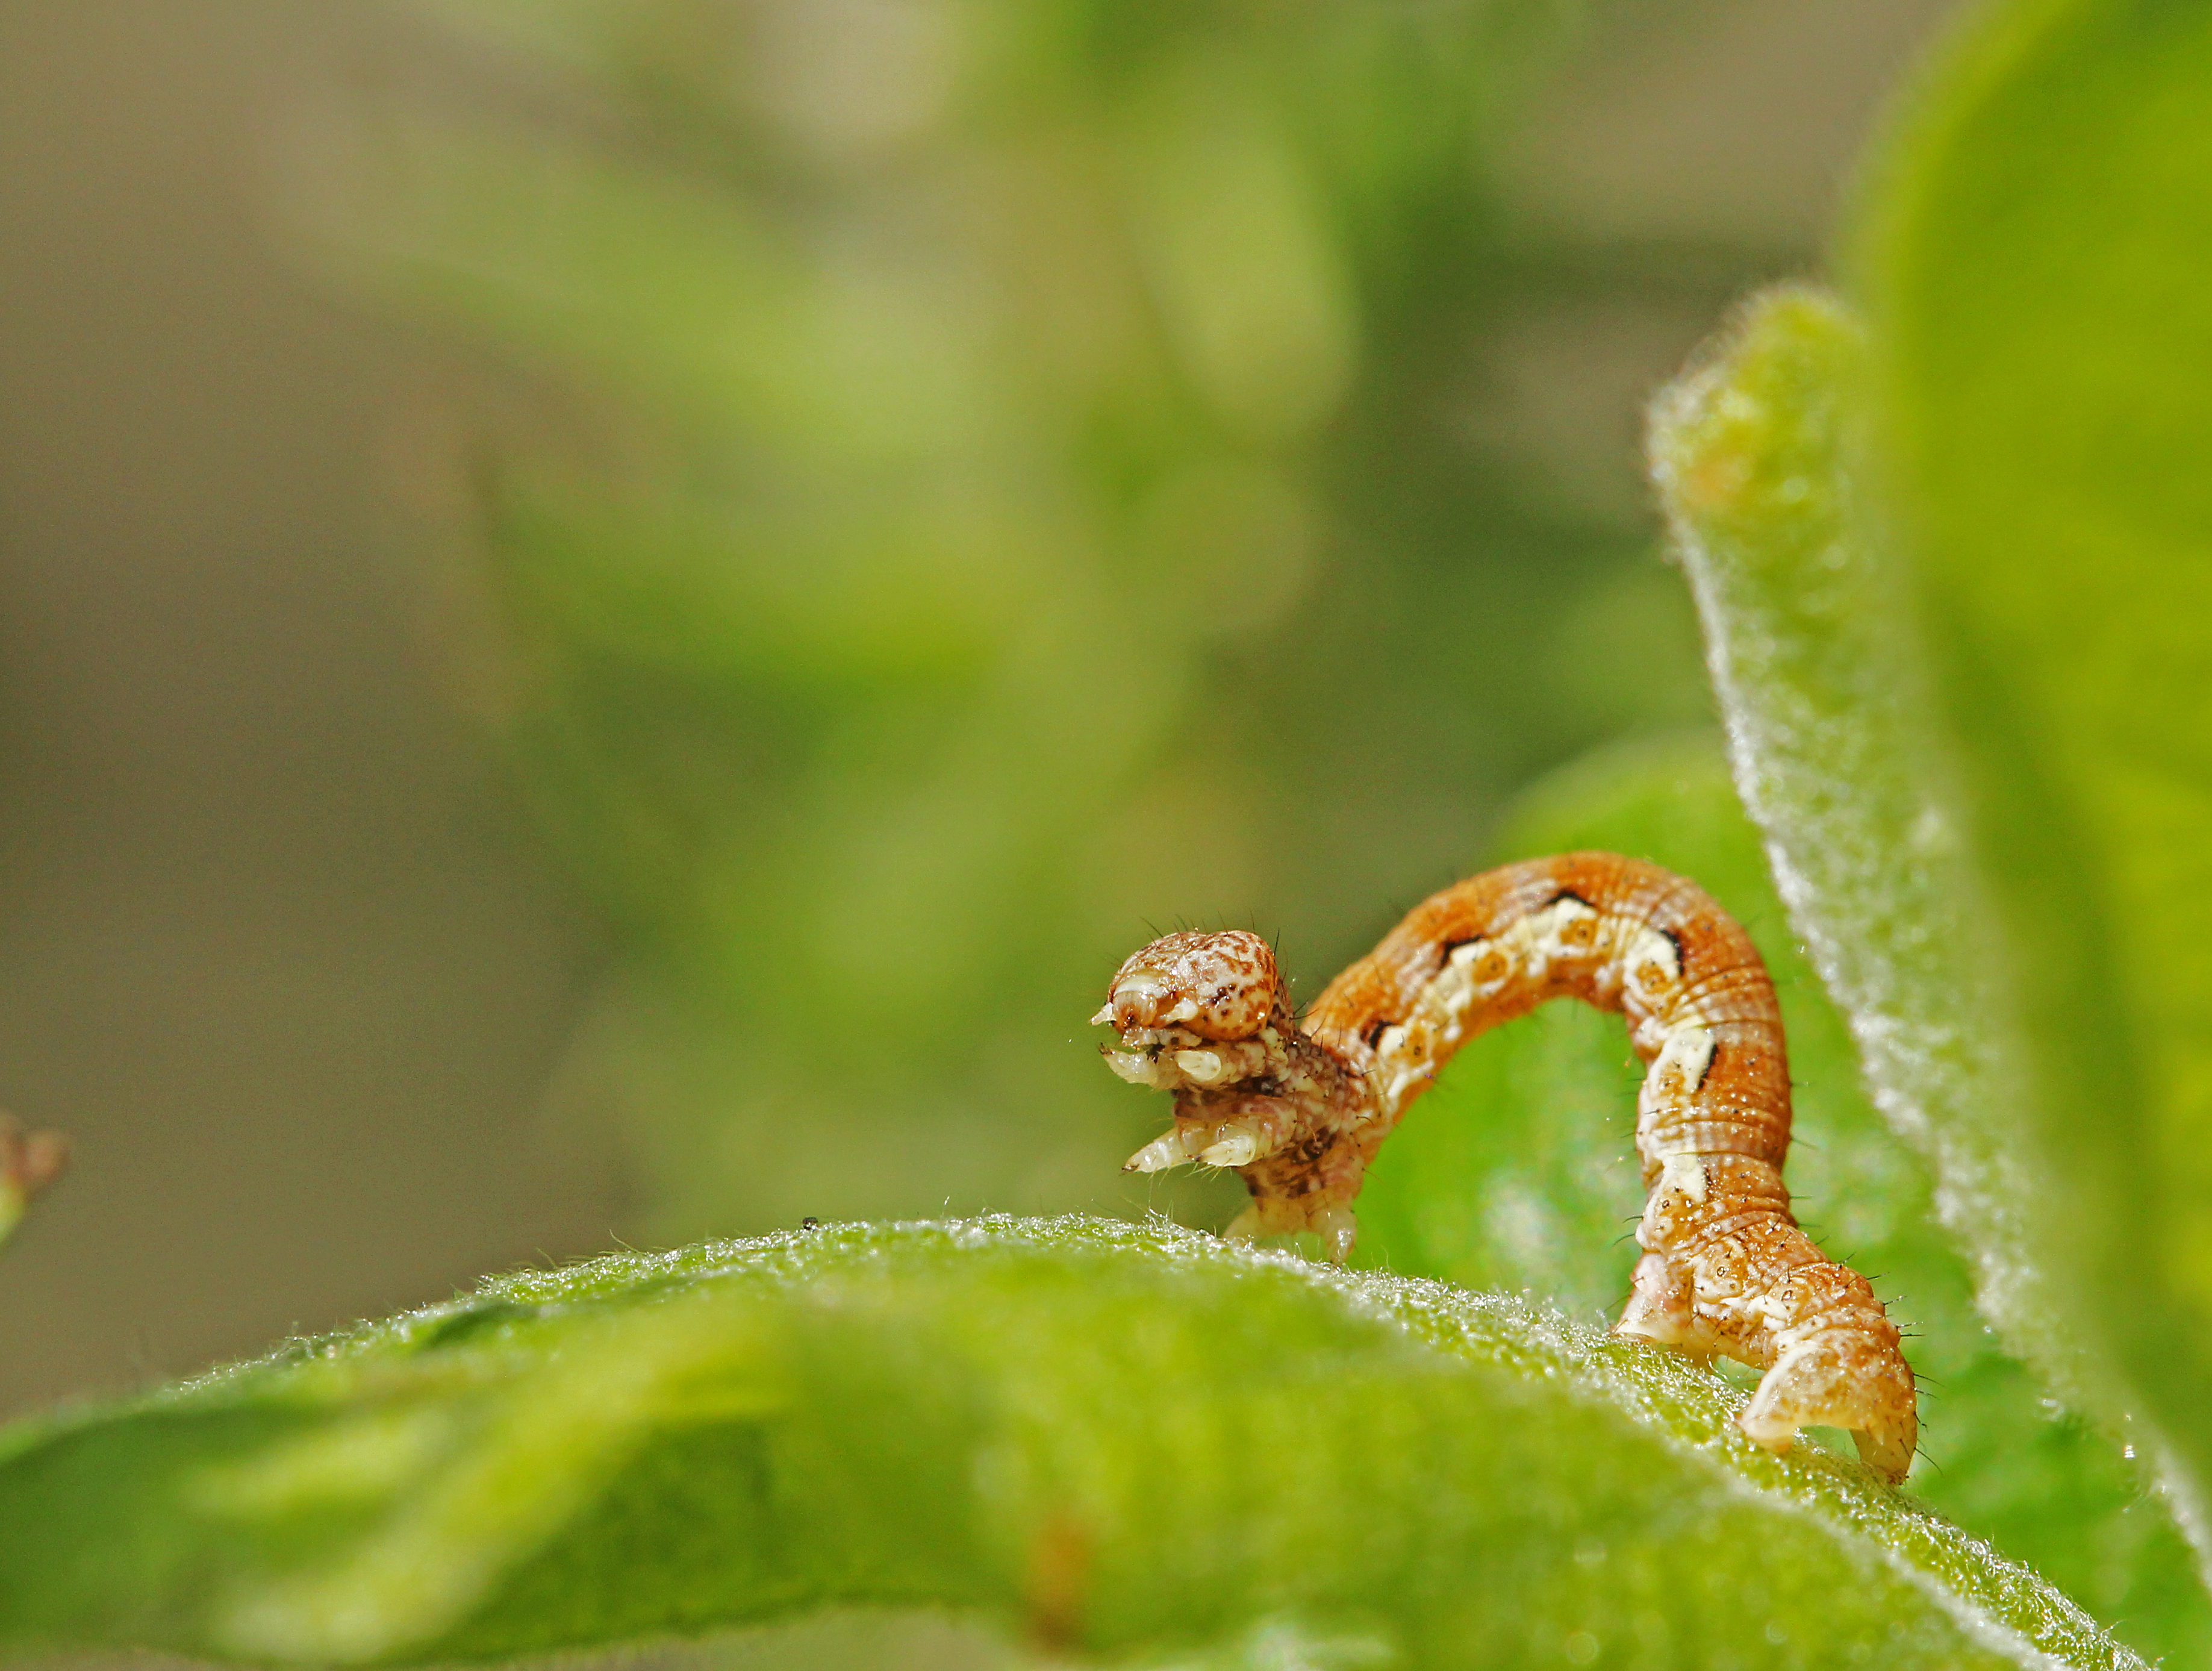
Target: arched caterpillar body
column 1299, row 1111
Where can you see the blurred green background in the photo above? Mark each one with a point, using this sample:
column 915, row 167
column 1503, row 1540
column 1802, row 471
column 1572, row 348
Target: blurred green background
column 612, row 616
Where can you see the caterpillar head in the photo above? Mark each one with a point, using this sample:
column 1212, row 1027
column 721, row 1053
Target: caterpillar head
column 1205, row 1016
column 1220, row 986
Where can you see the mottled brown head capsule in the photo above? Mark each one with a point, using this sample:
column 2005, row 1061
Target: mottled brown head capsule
column 1220, row 986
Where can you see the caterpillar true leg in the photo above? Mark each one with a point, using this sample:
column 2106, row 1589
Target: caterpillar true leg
column 1300, row 1111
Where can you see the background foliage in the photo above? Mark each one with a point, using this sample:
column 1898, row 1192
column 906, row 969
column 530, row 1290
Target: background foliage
column 1017, row 474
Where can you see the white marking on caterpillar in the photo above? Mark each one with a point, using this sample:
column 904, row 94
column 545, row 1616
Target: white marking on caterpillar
column 1685, row 1174
column 1678, row 1070
column 1567, row 928
column 1654, row 968
column 1300, row 1112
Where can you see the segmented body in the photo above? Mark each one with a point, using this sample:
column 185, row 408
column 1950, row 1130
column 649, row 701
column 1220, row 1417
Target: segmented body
column 1299, row 1111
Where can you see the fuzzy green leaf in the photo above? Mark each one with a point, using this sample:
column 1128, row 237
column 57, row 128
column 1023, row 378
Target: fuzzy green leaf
column 1824, row 696
column 1828, row 679
column 1114, row 1439
column 2042, row 333
column 1967, row 706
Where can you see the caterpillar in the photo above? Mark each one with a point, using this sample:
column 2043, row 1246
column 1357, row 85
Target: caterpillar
column 1299, row 1110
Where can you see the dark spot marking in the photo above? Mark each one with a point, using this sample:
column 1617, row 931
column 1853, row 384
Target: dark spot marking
column 1376, row 1029
column 1568, row 893
column 1444, row 953
column 1058, row 1583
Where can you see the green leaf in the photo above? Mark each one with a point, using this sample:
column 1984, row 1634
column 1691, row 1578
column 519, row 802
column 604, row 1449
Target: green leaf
column 1114, row 1439
column 1825, row 702
column 2034, row 265
column 1983, row 761
column 1518, row 1171
column 717, row 315
column 1824, row 690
